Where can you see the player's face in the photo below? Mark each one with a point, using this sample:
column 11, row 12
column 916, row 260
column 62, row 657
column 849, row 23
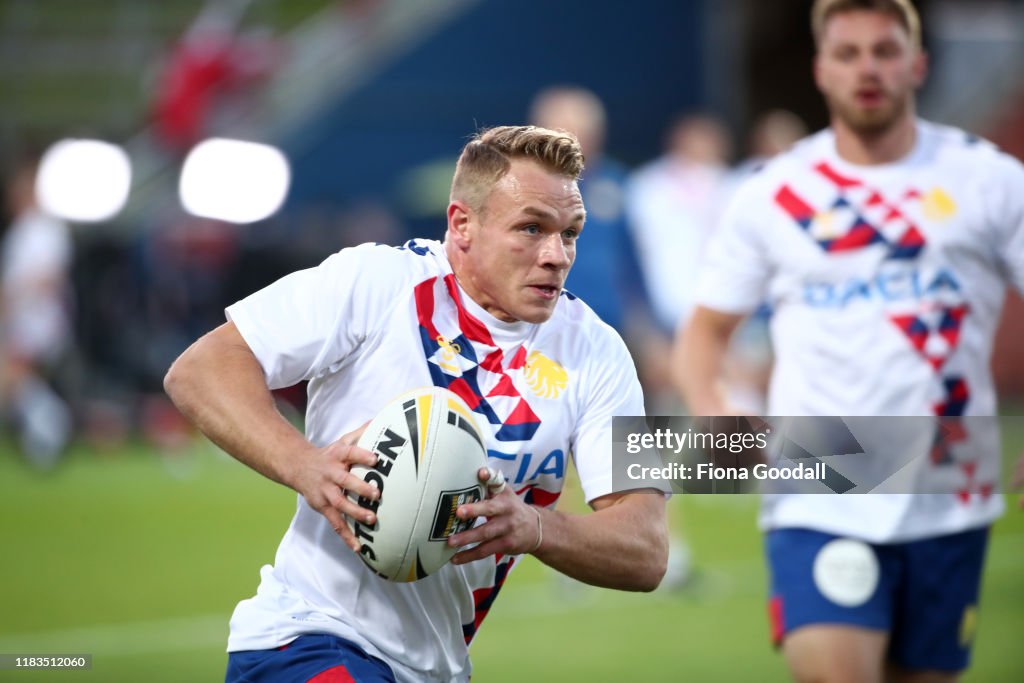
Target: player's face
column 519, row 248
column 868, row 69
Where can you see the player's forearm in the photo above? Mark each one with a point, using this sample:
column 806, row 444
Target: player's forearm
column 697, row 358
column 219, row 386
column 622, row 546
column 697, row 381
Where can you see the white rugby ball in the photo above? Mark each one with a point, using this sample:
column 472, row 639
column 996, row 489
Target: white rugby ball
column 429, row 450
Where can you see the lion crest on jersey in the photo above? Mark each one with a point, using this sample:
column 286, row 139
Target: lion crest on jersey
column 546, row 378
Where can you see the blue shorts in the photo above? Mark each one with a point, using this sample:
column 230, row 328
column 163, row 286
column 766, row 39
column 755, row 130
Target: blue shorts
column 923, row 593
column 316, row 658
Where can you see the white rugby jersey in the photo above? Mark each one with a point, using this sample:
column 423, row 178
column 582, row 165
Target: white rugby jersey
column 367, row 325
column 887, row 283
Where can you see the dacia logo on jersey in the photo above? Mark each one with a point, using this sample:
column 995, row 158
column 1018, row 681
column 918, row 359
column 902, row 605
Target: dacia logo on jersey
column 890, row 286
column 546, row 378
column 530, row 468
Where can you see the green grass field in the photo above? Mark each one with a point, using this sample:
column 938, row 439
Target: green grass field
column 139, row 560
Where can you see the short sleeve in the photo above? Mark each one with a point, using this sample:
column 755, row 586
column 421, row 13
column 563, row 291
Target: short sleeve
column 735, row 271
column 309, row 320
column 611, row 389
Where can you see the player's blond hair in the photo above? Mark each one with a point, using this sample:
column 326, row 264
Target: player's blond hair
column 487, row 157
column 902, row 10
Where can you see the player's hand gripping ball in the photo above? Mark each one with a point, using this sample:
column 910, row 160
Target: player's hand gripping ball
column 429, row 451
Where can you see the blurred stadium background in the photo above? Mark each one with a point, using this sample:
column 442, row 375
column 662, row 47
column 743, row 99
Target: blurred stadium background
column 138, row 543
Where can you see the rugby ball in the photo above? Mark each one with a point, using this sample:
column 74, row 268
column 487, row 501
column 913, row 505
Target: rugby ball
column 429, row 450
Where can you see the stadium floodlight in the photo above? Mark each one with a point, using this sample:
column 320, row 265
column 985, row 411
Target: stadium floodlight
column 84, row 180
column 234, row 180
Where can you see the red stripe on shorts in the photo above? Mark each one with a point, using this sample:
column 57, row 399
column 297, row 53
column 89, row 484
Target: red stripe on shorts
column 336, row 674
column 775, row 618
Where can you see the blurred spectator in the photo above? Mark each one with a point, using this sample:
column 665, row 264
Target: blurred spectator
column 35, row 321
column 366, row 220
column 606, row 274
column 211, row 60
column 184, row 269
column 773, row 132
column 673, row 203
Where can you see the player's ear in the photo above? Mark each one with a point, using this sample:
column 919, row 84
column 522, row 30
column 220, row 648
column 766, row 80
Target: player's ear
column 816, row 71
column 459, row 218
column 920, row 68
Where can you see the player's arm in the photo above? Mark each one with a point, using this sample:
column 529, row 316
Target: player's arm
column 219, row 385
column 697, row 356
column 623, row 544
column 735, row 272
